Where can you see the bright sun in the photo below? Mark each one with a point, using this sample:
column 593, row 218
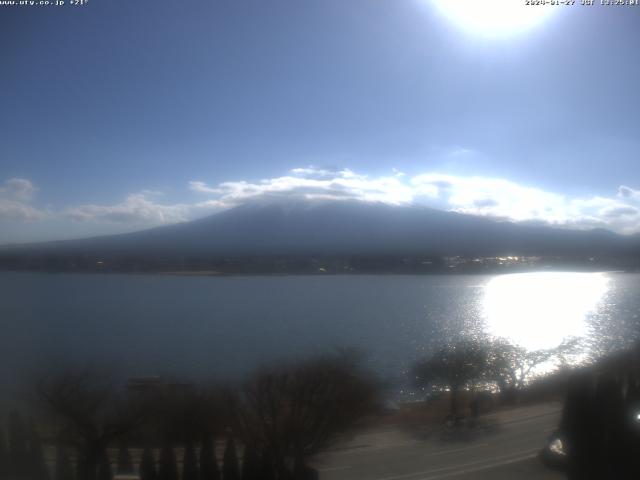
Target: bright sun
column 494, row 17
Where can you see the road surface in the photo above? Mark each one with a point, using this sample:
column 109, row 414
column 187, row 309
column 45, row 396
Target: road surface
column 505, row 449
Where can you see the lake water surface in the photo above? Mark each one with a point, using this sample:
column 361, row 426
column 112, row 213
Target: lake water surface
column 223, row 327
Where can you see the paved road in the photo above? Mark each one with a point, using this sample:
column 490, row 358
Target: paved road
column 506, row 450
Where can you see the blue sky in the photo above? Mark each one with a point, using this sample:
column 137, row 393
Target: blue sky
column 123, row 114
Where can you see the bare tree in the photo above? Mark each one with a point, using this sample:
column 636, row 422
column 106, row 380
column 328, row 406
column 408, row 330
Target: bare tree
column 291, row 413
column 124, row 462
column 4, row 455
column 250, row 464
column 230, row 465
column 190, row 462
column 148, row 465
column 91, row 413
column 168, row 467
column 453, row 368
column 63, row 470
column 512, row 366
column 38, row 465
column 184, row 413
column 104, row 467
column 209, row 469
column 19, row 462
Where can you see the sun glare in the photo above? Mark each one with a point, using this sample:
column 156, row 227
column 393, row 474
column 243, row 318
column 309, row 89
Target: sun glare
column 494, row 17
column 540, row 310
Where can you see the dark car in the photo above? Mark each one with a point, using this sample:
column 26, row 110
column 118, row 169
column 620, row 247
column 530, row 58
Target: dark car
column 554, row 454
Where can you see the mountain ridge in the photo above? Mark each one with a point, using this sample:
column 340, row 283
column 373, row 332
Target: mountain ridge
column 338, row 228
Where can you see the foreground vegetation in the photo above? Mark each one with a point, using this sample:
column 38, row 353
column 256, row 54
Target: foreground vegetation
column 486, row 366
column 268, row 428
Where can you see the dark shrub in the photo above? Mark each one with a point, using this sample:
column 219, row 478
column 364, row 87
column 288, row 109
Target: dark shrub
column 148, row 465
column 230, row 469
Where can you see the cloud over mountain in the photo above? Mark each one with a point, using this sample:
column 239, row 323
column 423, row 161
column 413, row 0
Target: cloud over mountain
column 138, row 207
column 475, row 195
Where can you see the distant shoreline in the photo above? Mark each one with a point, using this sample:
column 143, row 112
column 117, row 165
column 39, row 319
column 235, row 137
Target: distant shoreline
column 216, row 273
column 193, row 273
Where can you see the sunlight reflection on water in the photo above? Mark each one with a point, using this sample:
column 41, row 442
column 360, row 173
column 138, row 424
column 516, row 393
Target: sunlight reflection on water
column 540, row 310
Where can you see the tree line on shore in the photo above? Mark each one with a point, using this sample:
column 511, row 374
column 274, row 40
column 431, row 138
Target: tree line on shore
column 472, row 364
column 22, row 457
column 271, row 426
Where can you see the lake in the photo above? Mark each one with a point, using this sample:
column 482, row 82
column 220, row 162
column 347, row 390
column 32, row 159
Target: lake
column 223, row 327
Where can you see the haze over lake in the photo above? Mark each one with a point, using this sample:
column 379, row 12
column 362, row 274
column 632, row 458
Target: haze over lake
column 223, row 327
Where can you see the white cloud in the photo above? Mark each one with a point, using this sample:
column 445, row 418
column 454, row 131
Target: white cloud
column 142, row 208
column 492, row 197
column 474, row 195
column 616, row 211
column 459, row 151
column 18, row 189
column 15, row 197
column 311, row 183
column 626, row 192
column 136, row 208
column 202, row 187
column 509, row 200
column 12, row 210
